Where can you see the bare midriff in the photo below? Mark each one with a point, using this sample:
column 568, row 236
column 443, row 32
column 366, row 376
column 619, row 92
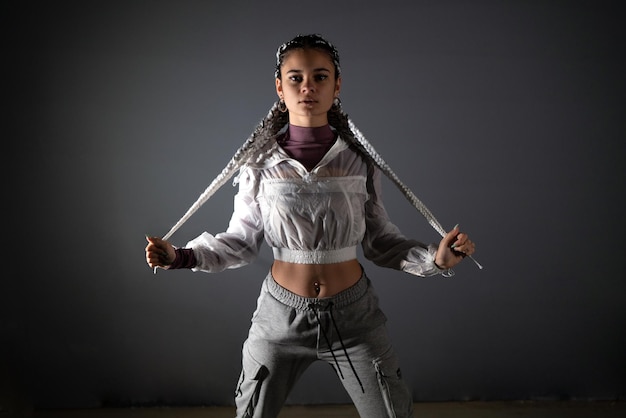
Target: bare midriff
column 317, row 280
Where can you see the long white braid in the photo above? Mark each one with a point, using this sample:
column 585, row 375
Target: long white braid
column 375, row 157
column 264, row 132
column 340, row 118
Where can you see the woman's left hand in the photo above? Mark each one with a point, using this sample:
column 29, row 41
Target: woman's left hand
column 453, row 248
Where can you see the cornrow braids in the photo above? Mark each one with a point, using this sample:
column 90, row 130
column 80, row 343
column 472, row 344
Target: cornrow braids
column 262, row 136
column 313, row 41
column 348, row 130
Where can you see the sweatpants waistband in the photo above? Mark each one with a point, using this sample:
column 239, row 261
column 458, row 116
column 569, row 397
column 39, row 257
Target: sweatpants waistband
column 340, row 300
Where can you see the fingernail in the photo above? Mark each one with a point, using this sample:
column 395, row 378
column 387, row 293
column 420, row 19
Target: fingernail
column 452, row 246
column 456, row 226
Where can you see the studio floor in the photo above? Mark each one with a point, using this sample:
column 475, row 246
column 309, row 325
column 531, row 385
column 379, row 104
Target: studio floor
column 542, row 409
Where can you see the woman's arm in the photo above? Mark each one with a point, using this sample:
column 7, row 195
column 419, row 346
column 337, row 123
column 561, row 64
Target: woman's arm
column 386, row 246
column 237, row 246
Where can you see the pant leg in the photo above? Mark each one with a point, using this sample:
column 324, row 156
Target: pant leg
column 268, row 374
column 360, row 344
column 374, row 380
column 281, row 345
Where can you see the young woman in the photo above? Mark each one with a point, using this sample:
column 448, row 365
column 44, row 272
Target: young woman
column 310, row 187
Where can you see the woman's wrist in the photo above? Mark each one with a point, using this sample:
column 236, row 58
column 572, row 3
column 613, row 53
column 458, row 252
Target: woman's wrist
column 185, row 259
column 445, row 271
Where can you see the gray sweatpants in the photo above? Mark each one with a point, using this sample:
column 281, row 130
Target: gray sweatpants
column 289, row 332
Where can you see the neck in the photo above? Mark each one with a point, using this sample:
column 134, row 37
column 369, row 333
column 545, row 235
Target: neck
column 308, row 121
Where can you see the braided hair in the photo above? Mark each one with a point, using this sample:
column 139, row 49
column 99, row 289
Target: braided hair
column 250, row 151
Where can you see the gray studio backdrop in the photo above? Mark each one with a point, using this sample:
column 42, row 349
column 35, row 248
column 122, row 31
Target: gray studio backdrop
column 505, row 117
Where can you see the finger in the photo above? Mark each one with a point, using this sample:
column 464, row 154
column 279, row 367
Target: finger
column 451, row 236
column 157, row 260
column 156, row 244
column 459, row 240
column 151, row 243
column 467, row 248
column 153, row 261
column 461, row 237
column 462, row 244
column 154, row 251
column 158, row 253
column 471, row 249
column 154, row 240
column 151, row 247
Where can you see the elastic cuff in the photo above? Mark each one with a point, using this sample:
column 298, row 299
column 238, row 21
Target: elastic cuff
column 185, row 259
column 445, row 272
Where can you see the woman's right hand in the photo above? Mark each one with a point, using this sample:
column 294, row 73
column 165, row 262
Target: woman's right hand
column 453, row 248
column 159, row 253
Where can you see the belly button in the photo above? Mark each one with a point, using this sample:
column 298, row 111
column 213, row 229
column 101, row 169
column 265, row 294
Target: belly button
column 316, row 286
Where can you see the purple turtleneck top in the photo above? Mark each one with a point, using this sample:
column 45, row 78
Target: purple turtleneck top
column 305, row 144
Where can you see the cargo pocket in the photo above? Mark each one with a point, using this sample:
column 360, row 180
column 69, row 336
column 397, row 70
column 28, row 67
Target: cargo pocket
column 395, row 394
column 249, row 387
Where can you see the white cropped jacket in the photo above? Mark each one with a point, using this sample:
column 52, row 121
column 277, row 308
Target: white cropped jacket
column 312, row 217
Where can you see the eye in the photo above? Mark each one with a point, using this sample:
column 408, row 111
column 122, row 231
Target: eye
column 321, row 77
column 296, row 78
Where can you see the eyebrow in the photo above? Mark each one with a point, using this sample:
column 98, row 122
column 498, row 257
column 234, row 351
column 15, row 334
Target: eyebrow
column 315, row 70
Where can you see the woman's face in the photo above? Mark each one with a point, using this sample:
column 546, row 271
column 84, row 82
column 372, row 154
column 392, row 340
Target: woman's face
column 308, row 86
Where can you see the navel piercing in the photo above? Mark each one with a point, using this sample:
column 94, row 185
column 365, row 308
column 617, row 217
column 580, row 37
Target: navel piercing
column 316, row 285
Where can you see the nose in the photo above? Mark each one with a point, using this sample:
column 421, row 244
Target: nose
column 307, row 85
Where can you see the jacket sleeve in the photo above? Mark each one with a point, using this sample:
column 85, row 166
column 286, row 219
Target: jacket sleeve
column 240, row 244
column 385, row 245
